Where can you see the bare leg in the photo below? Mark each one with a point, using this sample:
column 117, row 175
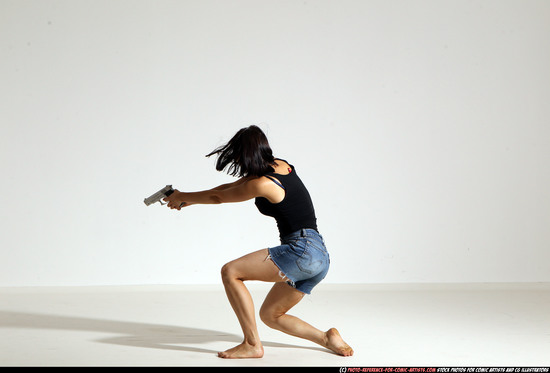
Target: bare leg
column 274, row 310
column 253, row 266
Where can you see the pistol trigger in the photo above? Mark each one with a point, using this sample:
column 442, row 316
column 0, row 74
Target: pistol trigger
column 162, row 204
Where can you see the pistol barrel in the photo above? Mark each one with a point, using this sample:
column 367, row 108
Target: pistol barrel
column 156, row 197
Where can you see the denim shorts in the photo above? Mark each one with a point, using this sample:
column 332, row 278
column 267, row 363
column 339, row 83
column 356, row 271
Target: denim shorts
column 302, row 259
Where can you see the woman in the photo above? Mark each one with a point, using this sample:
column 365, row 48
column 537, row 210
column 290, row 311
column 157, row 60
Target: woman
column 296, row 266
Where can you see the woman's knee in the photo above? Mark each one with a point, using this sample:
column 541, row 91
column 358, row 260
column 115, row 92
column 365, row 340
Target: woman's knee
column 225, row 272
column 267, row 316
column 270, row 315
column 228, row 272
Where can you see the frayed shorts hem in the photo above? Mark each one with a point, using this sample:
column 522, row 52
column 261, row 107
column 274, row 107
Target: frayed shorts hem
column 282, row 275
column 302, row 259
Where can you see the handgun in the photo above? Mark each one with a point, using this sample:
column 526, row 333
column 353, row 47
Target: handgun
column 158, row 196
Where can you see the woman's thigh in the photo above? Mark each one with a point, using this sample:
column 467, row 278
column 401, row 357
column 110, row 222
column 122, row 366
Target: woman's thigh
column 280, row 300
column 254, row 266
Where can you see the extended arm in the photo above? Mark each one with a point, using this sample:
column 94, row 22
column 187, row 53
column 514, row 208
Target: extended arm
column 231, row 185
column 239, row 191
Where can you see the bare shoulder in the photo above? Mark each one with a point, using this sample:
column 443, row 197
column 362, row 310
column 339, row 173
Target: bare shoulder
column 258, row 182
column 265, row 187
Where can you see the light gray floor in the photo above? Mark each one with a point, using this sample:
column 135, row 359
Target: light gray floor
column 387, row 325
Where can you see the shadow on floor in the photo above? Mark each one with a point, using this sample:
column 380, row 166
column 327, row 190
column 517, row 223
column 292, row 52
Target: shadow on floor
column 135, row 334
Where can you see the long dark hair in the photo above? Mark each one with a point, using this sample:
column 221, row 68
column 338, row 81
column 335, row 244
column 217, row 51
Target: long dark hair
column 247, row 154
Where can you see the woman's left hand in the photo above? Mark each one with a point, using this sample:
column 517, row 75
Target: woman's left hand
column 175, row 200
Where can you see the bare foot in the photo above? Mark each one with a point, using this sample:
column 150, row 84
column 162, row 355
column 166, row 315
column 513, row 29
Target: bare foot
column 243, row 351
column 336, row 344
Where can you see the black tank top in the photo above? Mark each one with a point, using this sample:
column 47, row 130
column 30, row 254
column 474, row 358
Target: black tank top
column 296, row 210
